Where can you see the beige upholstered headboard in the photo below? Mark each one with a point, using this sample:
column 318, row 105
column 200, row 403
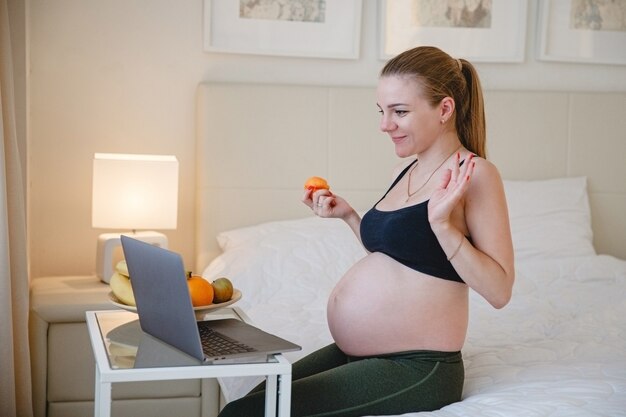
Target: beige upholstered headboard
column 257, row 143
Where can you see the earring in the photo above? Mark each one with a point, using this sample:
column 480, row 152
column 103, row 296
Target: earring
column 443, row 121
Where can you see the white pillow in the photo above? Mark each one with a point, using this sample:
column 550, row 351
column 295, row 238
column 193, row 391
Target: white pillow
column 310, row 253
column 550, row 218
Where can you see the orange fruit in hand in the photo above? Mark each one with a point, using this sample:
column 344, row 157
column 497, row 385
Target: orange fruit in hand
column 316, row 183
column 200, row 290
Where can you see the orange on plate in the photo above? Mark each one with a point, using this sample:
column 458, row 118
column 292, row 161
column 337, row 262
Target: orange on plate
column 316, row 183
column 200, row 290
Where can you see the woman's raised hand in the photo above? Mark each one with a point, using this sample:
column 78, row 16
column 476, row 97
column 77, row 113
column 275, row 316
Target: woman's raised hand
column 450, row 190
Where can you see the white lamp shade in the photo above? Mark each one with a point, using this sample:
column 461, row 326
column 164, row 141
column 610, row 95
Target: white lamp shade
column 132, row 191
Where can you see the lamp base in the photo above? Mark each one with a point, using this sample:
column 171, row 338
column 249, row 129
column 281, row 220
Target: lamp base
column 107, row 242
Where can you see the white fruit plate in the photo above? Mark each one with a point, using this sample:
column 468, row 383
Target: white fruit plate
column 236, row 296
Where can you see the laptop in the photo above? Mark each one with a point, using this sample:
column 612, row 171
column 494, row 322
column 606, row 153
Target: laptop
column 165, row 311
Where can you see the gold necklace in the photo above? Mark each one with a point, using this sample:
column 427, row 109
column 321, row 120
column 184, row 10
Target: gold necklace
column 408, row 186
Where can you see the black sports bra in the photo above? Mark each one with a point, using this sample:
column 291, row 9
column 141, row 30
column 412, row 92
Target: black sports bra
column 406, row 236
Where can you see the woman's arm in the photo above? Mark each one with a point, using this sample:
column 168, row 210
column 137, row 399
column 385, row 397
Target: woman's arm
column 478, row 209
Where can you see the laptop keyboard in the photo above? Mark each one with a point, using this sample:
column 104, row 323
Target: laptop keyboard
column 216, row 344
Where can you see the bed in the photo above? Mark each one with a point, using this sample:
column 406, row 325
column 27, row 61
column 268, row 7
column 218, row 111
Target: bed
column 557, row 349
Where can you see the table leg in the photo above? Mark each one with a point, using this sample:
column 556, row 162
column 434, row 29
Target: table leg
column 284, row 395
column 270, row 395
column 102, row 399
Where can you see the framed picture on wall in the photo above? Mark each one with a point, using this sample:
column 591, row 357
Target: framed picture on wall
column 303, row 28
column 477, row 30
column 592, row 31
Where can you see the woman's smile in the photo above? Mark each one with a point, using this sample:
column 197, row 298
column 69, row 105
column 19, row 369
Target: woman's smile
column 398, row 139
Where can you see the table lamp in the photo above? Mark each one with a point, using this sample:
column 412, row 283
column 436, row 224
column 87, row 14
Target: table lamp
column 132, row 192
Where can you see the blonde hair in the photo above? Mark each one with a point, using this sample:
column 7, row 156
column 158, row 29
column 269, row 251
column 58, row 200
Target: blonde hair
column 440, row 76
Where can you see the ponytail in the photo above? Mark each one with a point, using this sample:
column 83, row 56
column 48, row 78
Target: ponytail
column 470, row 122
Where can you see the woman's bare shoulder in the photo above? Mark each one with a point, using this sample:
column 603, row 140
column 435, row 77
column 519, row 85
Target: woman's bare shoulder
column 486, row 182
column 485, row 170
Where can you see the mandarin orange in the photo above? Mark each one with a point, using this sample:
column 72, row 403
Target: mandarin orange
column 316, row 183
column 200, row 290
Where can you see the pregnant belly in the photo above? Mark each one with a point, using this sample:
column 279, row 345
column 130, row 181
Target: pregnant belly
column 381, row 306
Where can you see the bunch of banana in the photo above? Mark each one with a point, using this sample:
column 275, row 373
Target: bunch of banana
column 120, row 284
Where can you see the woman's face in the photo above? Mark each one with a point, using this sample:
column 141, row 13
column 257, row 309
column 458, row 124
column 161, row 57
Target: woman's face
column 410, row 121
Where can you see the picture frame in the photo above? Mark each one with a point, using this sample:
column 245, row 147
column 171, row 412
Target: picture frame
column 487, row 31
column 582, row 31
column 297, row 28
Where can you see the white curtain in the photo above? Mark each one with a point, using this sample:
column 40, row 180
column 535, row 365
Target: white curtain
column 15, row 380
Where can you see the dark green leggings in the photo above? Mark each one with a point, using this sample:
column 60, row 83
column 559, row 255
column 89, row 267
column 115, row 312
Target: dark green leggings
column 330, row 383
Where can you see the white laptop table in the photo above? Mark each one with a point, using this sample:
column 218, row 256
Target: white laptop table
column 124, row 353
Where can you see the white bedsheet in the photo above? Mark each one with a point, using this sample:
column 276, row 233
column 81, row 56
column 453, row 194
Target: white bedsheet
column 557, row 349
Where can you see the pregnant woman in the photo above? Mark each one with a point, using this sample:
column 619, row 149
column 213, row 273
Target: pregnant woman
column 441, row 228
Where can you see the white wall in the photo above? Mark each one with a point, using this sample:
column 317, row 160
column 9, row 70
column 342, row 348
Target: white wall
column 120, row 76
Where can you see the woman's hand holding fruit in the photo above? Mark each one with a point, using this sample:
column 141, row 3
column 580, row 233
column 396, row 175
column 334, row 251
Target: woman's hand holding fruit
column 322, row 201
